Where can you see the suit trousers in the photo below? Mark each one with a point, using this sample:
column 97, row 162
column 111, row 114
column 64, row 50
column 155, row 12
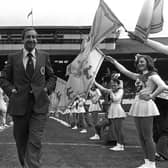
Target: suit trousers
column 28, row 131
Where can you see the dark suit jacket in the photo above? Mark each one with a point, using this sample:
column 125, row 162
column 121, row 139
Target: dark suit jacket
column 14, row 76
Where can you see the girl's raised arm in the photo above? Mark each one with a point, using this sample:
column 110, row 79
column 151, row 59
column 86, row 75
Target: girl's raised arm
column 122, row 69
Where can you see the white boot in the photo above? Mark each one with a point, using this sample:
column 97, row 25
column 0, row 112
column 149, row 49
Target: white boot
column 145, row 165
column 83, row 131
column 75, row 127
column 118, row 147
column 152, row 164
column 95, row 137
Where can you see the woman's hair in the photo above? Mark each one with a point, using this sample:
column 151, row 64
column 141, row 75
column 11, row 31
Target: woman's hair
column 150, row 62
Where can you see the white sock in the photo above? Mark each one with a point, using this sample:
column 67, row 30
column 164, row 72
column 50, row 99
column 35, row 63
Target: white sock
column 146, row 161
column 120, row 145
column 152, row 164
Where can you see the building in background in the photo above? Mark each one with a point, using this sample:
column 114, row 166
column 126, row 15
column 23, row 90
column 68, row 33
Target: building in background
column 64, row 43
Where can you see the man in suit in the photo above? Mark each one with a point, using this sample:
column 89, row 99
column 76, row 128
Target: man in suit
column 28, row 79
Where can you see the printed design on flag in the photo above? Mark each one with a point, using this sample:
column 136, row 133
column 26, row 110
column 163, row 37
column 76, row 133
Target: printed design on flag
column 84, row 68
column 86, row 72
column 57, row 98
column 69, row 93
column 42, row 70
column 80, row 85
column 58, row 94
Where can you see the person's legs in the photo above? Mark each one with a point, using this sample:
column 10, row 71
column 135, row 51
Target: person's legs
column 147, row 131
column 95, row 117
column 20, row 132
column 83, row 123
column 119, row 130
column 4, row 117
column 101, row 125
column 162, row 147
column 94, row 120
column 33, row 150
column 75, row 121
column 88, row 119
column 96, row 127
column 87, row 116
column 68, row 118
column 140, row 134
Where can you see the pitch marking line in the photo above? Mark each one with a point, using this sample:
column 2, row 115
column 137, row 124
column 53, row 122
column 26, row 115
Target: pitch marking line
column 60, row 121
column 70, row 144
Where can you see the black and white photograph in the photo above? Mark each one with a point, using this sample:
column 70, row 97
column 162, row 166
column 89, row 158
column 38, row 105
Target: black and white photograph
column 83, row 84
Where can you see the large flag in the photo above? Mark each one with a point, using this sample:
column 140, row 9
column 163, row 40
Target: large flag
column 105, row 22
column 57, row 98
column 79, row 83
column 150, row 19
column 75, row 66
column 82, row 71
column 105, row 25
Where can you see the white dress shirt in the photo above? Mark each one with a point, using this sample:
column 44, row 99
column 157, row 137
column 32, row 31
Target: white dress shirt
column 25, row 57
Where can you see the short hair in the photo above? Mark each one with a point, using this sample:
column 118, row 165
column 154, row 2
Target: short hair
column 26, row 30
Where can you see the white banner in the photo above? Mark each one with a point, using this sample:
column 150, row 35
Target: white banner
column 79, row 83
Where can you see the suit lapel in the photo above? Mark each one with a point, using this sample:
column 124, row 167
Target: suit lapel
column 20, row 60
column 37, row 63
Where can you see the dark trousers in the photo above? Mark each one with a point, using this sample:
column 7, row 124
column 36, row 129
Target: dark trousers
column 28, row 132
column 160, row 123
column 160, row 128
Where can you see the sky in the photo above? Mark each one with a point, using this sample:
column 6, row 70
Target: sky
column 71, row 13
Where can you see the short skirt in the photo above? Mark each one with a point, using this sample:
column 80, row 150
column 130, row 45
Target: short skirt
column 94, row 107
column 143, row 108
column 116, row 111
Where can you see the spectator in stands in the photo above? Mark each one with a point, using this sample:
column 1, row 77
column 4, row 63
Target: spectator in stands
column 28, row 79
column 144, row 109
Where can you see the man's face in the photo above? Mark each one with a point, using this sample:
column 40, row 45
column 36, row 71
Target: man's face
column 30, row 40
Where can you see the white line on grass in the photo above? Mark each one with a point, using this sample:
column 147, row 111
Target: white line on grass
column 70, row 144
column 60, row 121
